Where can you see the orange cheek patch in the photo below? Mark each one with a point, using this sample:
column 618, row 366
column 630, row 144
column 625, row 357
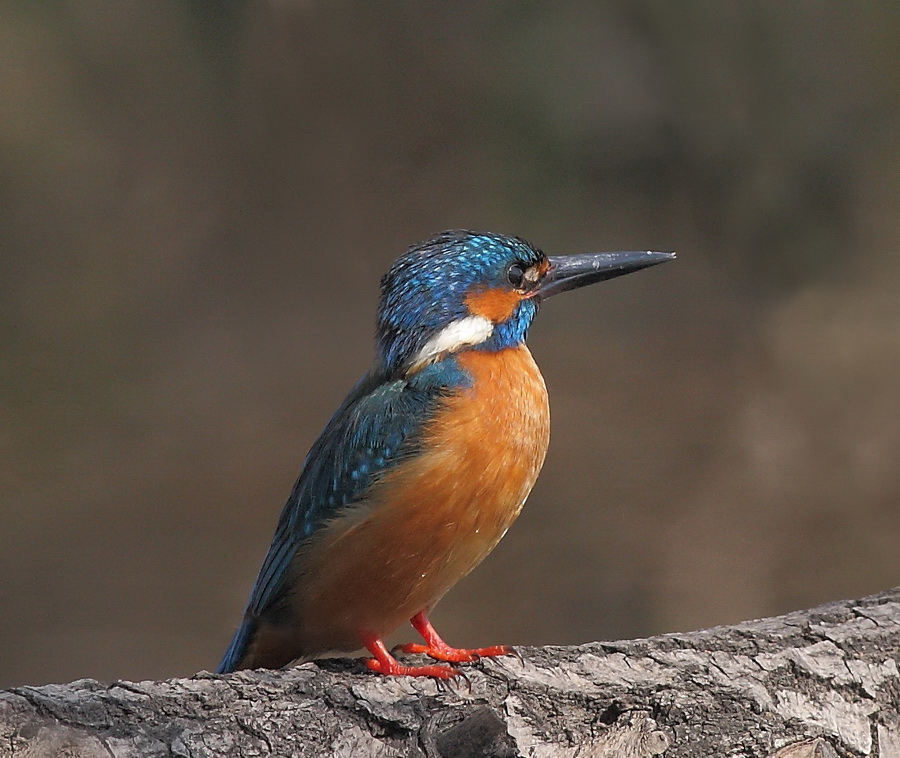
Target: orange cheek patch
column 494, row 304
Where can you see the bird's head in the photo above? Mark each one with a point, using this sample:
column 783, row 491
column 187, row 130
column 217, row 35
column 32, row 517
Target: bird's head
column 469, row 290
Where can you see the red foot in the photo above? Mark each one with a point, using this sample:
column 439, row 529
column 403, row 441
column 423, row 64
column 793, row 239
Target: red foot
column 385, row 663
column 435, row 647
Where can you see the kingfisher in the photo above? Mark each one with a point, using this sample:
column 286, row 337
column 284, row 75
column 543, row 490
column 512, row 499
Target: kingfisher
column 426, row 463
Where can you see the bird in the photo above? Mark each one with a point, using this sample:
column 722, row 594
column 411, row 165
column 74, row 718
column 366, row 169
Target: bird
column 425, row 465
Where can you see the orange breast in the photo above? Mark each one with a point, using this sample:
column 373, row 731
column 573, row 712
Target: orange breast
column 432, row 520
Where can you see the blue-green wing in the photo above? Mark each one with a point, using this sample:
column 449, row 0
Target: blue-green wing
column 374, row 430
column 378, row 426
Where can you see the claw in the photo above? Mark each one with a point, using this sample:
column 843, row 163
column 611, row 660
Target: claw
column 464, row 678
column 453, row 685
column 516, row 654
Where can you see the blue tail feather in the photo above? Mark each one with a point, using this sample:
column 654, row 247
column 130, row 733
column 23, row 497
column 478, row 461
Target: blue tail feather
column 238, row 647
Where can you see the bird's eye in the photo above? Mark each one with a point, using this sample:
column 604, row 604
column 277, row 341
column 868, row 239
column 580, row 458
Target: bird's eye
column 515, row 274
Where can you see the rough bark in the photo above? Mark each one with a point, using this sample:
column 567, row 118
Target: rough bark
column 812, row 684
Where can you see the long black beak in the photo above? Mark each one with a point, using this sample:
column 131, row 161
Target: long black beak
column 568, row 272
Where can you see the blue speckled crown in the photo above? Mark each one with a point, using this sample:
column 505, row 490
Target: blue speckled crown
column 425, row 290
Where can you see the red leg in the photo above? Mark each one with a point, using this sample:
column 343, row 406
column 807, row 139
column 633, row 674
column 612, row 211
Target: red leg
column 436, row 648
column 385, row 663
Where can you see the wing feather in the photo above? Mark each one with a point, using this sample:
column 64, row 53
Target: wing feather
column 378, row 426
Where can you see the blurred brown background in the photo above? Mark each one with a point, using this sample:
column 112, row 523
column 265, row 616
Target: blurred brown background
column 198, row 199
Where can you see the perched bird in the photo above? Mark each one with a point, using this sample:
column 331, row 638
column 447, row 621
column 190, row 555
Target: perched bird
column 427, row 462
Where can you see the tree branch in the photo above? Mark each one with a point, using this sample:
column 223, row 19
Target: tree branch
column 812, row 684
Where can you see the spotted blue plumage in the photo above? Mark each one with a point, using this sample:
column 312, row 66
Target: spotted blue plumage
column 425, row 290
column 380, row 423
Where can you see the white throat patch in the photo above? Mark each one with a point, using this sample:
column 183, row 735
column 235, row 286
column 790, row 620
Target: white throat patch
column 471, row 330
